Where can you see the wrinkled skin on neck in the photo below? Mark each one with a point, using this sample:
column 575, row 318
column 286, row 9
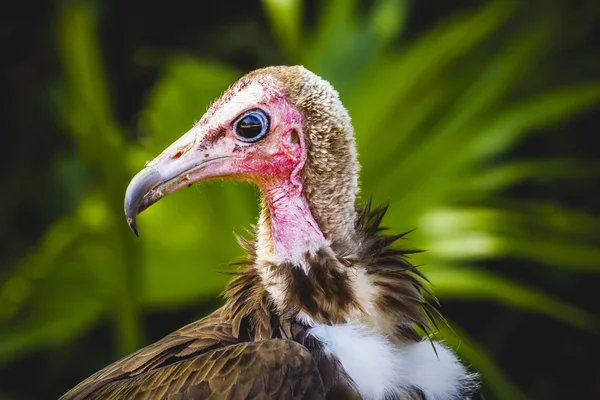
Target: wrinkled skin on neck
column 294, row 231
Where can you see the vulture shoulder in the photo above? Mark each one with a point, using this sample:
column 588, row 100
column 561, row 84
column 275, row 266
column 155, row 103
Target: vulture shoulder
column 204, row 360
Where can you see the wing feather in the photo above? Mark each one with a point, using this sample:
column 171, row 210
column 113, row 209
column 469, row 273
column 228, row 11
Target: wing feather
column 270, row 369
column 205, row 360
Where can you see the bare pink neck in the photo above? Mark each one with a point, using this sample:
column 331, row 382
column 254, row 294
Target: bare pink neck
column 293, row 229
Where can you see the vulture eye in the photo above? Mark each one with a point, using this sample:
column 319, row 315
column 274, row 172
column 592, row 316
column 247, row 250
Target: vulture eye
column 251, row 125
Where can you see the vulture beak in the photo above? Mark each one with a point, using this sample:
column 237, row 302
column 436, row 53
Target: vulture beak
column 199, row 154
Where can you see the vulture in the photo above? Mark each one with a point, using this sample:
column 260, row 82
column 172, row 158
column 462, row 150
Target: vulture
column 324, row 305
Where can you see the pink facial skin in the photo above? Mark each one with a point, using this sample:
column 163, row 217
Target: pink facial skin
column 212, row 149
column 295, row 232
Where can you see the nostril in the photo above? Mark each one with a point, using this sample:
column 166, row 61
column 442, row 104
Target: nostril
column 176, row 156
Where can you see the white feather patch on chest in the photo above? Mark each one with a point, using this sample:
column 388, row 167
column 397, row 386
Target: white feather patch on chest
column 378, row 368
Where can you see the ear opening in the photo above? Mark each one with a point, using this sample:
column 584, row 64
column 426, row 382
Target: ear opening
column 295, row 139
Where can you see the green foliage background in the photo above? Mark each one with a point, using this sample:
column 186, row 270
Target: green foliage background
column 472, row 124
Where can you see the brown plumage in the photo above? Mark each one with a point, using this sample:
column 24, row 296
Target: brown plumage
column 316, row 260
column 204, row 358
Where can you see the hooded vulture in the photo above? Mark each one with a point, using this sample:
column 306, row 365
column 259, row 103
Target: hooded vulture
column 324, row 305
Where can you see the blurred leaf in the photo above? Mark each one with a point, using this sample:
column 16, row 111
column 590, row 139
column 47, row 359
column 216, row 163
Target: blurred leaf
column 184, row 266
column 387, row 19
column 551, row 236
column 88, row 111
column 492, row 377
column 500, row 74
column 530, row 115
column 337, row 19
column 285, row 18
column 61, row 309
column 393, row 79
column 477, row 284
column 181, row 97
column 522, row 217
column 502, row 177
column 556, row 252
column 64, row 286
column 49, row 300
column 17, row 289
column 101, row 146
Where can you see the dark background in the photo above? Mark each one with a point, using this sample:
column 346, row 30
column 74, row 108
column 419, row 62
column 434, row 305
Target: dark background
column 47, row 174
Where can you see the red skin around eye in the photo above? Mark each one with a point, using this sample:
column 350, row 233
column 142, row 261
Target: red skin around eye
column 274, row 164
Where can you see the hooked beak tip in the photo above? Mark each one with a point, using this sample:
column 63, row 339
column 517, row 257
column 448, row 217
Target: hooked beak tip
column 135, row 197
column 133, row 225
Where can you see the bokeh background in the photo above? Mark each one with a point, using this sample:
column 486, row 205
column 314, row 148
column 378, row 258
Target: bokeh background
column 476, row 120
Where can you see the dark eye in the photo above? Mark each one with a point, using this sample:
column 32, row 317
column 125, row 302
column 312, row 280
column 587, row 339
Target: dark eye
column 251, row 126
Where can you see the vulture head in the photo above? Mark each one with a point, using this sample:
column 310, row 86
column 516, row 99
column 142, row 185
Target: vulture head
column 285, row 130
